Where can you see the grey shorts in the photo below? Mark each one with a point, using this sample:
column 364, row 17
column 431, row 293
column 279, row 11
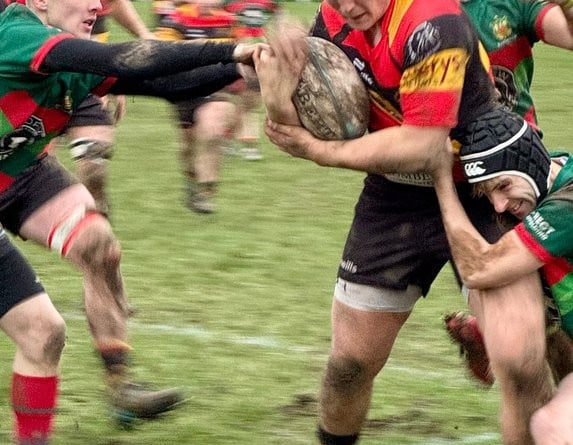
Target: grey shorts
column 372, row 299
column 37, row 184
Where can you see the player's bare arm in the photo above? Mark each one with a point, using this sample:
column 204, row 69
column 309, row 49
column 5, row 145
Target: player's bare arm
column 127, row 16
column 480, row 264
column 405, row 148
column 557, row 25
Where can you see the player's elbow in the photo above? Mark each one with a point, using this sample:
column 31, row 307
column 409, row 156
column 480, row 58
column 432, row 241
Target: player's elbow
column 474, row 281
column 481, row 278
column 473, row 274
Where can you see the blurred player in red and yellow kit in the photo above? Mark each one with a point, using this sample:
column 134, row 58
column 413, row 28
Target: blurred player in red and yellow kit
column 209, row 124
column 252, row 17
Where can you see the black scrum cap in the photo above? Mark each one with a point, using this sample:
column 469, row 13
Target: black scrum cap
column 502, row 143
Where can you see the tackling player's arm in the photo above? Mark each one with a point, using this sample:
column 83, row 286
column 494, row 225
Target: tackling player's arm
column 184, row 70
column 480, row 264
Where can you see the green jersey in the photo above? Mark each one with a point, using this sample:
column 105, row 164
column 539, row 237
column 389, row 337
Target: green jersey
column 34, row 106
column 547, row 233
column 508, row 30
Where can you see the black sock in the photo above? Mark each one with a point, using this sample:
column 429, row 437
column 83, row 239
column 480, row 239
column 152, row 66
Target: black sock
column 326, row 438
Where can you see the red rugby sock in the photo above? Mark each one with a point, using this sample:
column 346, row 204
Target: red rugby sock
column 33, row 403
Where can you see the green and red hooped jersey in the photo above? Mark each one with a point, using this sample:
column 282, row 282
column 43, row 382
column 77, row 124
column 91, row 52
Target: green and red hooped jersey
column 427, row 70
column 508, row 30
column 548, row 234
column 252, row 16
column 34, row 106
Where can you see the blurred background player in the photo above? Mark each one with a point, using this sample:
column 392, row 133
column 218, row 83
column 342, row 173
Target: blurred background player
column 508, row 29
column 252, row 17
column 207, row 124
column 91, row 130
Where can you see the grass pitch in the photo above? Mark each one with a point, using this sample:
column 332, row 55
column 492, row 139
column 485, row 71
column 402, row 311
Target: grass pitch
column 234, row 307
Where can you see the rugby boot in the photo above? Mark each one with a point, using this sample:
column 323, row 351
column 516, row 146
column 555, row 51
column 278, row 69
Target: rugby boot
column 200, row 197
column 130, row 400
column 464, row 331
column 133, row 400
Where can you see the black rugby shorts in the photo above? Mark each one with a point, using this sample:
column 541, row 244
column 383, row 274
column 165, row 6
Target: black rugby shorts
column 17, row 279
column 37, row 184
column 397, row 237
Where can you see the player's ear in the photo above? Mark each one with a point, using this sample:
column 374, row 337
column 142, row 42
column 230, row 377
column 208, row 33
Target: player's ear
column 38, row 5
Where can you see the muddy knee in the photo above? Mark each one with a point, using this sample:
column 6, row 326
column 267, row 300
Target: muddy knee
column 101, row 251
column 86, row 238
column 55, row 343
column 346, row 376
column 47, row 340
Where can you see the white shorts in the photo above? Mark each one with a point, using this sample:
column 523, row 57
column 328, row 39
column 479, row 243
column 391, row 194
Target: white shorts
column 376, row 299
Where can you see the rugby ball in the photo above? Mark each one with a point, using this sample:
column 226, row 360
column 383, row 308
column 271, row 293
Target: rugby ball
column 330, row 99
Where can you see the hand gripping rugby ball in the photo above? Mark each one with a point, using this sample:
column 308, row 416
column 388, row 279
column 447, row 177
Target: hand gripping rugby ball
column 330, row 99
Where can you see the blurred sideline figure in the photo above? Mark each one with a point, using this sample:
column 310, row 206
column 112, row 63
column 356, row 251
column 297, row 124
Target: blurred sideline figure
column 508, row 30
column 48, row 66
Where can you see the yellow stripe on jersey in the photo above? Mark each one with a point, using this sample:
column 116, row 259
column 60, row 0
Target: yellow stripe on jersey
column 484, row 58
column 400, row 9
column 442, row 71
column 101, row 37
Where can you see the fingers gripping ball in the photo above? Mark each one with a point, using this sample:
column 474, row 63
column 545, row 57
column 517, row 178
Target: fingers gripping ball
column 330, row 99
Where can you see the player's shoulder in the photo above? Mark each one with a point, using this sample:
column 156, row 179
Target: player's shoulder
column 16, row 17
column 562, row 189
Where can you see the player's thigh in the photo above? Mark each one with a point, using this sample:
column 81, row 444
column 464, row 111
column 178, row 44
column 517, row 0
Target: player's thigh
column 49, row 197
column 215, row 117
column 42, row 193
column 18, row 281
column 26, row 311
column 396, row 239
column 511, row 317
column 91, row 120
column 366, row 321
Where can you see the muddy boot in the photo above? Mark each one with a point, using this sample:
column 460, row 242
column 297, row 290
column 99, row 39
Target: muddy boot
column 129, row 400
column 200, row 197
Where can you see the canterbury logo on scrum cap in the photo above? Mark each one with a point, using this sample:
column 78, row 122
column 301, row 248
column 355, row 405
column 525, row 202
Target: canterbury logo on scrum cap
column 490, row 160
column 472, row 169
